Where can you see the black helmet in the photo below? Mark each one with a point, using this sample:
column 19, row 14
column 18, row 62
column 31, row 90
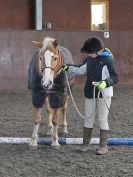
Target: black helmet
column 92, row 45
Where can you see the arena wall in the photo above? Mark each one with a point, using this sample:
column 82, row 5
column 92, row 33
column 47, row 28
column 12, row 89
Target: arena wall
column 16, row 51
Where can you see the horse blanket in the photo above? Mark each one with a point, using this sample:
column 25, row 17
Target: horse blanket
column 58, row 94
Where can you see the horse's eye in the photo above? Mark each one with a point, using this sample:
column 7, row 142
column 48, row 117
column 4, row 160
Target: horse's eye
column 55, row 58
column 41, row 58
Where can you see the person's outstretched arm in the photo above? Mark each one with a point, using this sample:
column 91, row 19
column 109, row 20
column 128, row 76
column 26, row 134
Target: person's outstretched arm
column 76, row 69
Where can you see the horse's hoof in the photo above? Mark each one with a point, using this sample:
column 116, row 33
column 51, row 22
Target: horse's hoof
column 56, row 147
column 64, row 132
column 33, row 147
column 49, row 133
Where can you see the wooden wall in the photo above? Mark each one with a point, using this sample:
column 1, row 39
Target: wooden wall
column 75, row 15
column 65, row 15
column 120, row 15
column 17, row 14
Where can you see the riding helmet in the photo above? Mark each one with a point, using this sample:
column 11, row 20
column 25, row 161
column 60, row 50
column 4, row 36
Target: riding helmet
column 92, row 45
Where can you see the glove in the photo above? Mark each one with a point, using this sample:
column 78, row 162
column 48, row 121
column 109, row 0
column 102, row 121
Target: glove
column 65, row 68
column 102, row 85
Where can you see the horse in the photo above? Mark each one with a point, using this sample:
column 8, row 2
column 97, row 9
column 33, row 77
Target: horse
column 48, row 86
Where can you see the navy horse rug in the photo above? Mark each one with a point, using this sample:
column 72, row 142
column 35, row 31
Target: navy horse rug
column 59, row 91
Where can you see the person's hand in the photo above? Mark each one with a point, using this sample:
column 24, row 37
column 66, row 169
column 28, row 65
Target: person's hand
column 102, row 85
column 65, row 68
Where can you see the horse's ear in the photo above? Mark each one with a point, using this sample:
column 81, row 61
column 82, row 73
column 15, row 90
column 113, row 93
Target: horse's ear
column 55, row 43
column 38, row 44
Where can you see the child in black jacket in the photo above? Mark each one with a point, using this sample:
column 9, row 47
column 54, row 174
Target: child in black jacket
column 99, row 67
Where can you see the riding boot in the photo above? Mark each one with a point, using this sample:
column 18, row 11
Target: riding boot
column 104, row 135
column 86, row 139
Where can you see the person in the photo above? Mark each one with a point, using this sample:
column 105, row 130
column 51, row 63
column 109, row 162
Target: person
column 100, row 69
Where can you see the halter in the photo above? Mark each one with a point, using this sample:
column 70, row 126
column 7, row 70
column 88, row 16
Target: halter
column 55, row 69
column 47, row 67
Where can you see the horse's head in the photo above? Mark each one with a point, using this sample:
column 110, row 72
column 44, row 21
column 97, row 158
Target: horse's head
column 50, row 61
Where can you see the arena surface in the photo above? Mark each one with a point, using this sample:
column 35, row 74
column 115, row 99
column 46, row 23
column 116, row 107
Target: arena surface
column 18, row 161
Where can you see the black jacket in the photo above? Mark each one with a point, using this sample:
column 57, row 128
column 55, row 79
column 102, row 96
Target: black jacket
column 97, row 69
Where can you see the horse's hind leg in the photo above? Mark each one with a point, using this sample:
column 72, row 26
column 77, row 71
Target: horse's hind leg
column 50, row 117
column 50, row 124
column 37, row 120
column 55, row 121
column 64, row 122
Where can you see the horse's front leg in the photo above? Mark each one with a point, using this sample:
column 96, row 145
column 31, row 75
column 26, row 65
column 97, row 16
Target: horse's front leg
column 37, row 120
column 64, row 122
column 55, row 121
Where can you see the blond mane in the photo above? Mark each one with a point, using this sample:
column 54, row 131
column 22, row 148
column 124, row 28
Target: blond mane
column 47, row 43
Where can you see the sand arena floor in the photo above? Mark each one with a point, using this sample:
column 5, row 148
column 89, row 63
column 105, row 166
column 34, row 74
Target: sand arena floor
column 18, row 161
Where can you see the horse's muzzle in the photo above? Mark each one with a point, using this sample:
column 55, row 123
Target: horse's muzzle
column 47, row 85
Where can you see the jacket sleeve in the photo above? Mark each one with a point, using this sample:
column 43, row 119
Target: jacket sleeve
column 78, row 69
column 113, row 79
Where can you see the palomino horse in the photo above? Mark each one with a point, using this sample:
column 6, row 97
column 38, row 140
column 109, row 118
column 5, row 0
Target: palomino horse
column 48, row 86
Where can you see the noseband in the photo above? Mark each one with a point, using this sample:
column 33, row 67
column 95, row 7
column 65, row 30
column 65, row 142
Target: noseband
column 47, row 67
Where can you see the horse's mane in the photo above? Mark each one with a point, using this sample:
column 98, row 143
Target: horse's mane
column 47, row 43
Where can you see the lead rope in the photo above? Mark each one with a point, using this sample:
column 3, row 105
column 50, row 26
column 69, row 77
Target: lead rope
column 95, row 84
column 94, row 100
